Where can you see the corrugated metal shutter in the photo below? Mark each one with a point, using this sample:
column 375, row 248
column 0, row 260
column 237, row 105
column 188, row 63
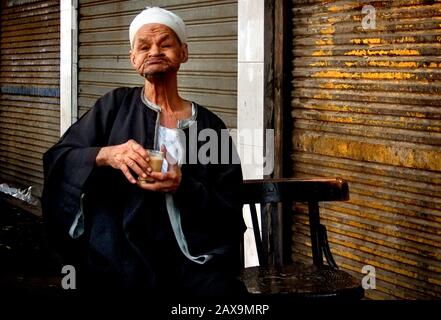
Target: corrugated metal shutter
column 29, row 88
column 208, row 78
column 366, row 107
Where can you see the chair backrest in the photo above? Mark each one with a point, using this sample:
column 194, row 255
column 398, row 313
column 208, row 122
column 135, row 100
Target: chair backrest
column 275, row 195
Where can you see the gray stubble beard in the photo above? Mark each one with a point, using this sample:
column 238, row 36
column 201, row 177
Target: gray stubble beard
column 153, row 75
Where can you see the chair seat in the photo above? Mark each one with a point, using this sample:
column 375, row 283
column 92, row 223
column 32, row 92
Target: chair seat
column 302, row 281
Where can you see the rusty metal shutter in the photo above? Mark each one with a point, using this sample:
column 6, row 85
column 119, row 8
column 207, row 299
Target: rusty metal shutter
column 29, row 88
column 208, row 78
column 366, row 106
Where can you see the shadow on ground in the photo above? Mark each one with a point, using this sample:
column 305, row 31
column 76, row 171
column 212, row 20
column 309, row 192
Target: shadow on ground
column 28, row 265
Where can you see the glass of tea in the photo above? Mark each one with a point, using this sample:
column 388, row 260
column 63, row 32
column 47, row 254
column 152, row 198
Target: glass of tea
column 156, row 158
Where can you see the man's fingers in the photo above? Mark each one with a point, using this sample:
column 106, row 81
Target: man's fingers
column 165, row 185
column 131, row 158
column 167, row 176
column 152, row 186
column 139, row 149
column 132, row 142
column 127, row 173
column 140, row 161
column 131, row 146
column 159, row 176
column 161, row 186
column 135, row 167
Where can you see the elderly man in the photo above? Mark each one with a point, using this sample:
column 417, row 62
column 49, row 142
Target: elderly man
column 178, row 234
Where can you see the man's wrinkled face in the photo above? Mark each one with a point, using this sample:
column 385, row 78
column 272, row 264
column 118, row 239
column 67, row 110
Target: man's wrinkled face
column 157, row 51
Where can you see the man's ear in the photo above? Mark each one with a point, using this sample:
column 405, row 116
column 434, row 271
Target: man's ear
column 184, row 53
column 132, row 58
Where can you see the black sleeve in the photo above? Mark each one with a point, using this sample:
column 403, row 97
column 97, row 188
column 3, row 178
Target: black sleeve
column 69, row 163
column 214, row 200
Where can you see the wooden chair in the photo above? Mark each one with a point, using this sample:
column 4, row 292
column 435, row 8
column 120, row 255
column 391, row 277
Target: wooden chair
column 274, row 276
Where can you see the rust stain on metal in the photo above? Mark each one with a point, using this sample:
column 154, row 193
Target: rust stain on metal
column 331, row 85
column 384, row 241
column 366, row 41
column 344, row 7
column 324, row 96
column 327, row 30
column 405, row 26
column 416, row 114
column 369, row 112
column 377, row 41
column 393, row 64
column 387, row 75
column 397, row 122
column 324, row 42
column 350, row 64
column 376, row 263
column 383, row 254
column 435, row 281
column 343, row 108
column 384, row 229
column 319, row 64
column 332, row 74
column 391, row 52
column 321, row 53
column 393, row 154
column 364, row 75
column 405, row 40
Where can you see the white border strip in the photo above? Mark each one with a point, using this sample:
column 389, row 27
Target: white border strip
column 250, row 99
column 68, row 63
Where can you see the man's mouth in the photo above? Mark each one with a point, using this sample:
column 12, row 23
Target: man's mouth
column 154, row 61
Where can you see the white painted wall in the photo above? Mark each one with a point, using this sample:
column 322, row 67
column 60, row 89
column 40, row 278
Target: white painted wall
column 250, row 97
column 68, row 63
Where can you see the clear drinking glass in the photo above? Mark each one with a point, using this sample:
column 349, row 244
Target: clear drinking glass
column 156, row 158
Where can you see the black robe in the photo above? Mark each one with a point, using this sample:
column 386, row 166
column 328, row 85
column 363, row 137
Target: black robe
column 128, row 238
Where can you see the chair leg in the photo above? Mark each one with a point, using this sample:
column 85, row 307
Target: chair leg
column 325, row 247
column 314, row 225
column 257, row 238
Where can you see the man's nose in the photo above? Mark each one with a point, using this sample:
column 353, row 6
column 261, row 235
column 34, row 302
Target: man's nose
column 155, row 50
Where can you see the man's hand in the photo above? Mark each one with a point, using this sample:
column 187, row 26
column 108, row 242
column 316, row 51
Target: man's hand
column 164, row 182
column 125, row 157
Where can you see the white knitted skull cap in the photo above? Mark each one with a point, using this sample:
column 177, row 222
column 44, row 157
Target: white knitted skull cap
column 161, row 16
